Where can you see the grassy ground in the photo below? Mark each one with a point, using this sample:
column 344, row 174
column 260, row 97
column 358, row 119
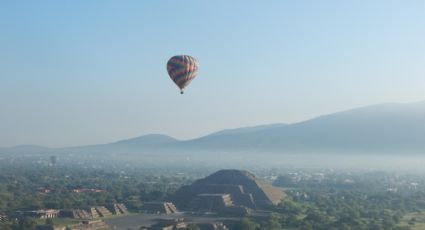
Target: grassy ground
column 59, row 221
column 118, row 216
column 419, row 224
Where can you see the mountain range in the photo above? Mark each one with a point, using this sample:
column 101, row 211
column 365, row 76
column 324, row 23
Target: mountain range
column 391, row 127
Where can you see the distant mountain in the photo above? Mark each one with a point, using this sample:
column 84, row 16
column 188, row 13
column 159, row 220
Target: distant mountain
column 146, row 142
column 245, row 130
column 133, row 145
column 25, row 149
column 386, row 127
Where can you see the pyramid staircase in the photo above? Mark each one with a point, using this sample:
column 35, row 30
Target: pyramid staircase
column 171, row 207
column 94, row 214
column 81, row 214
column 103, row 212
column 122, row 208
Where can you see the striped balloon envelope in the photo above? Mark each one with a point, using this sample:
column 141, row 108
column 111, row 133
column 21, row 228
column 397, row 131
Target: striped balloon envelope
column 182, row 70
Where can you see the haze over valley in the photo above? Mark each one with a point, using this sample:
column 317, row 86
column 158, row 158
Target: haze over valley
column 386, row 136
column 212, row 115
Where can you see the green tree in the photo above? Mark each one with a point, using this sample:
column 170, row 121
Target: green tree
column 5, row 226
column 49, row 222
column 245, row 224
column 25, row 223
column 273, row 223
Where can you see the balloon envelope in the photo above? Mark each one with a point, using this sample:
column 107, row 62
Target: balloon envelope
column 182, row 70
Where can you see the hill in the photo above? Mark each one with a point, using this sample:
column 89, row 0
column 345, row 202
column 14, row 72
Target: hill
column 380, row 128
column 133, row 145
column 386, row 127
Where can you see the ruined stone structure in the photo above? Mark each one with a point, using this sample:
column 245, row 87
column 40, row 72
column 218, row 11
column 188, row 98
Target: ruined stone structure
column 117, row 209
column 227, row 190
column 3, row 218
column 103, row 211
column 39, row 214
column 75, row 214
column 207, row 202
column 98, row 211
column 159, row 207
column 95, row 212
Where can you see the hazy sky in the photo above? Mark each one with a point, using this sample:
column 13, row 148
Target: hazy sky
column 86, row 72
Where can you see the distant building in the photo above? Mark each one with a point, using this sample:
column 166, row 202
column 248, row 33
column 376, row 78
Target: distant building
column 53, row 160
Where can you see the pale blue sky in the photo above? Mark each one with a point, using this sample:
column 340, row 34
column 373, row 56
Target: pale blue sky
column 86, row 72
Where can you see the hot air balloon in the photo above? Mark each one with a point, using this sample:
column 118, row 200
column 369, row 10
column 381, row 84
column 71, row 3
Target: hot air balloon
column 182, row 70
